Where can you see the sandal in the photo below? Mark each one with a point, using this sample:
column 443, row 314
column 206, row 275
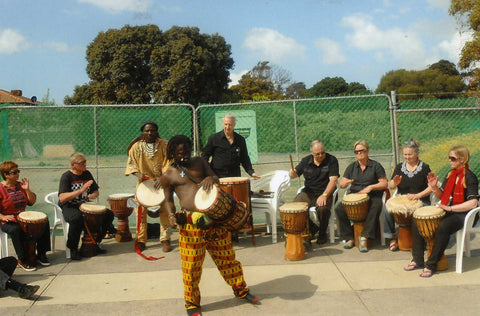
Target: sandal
column 426, row 273
column 393, row 245
column 349, row 245
column 412, row 266
column 362, row 247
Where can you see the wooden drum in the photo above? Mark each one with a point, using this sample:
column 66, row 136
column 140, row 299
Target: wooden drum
column 427, row 219
column 294, row 220
column 402, row 208
column 121, row 210
column 239, row 187
column 33, row 224
column 222, row 208
column 356, row 208
column 93, row 215
column 148, row 196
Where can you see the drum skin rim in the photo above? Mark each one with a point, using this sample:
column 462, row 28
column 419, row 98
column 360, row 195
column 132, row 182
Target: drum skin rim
column 98, row 208
column 417, row 215
column 120, row 196
column 148, row 186
column 234, row 180
column 214, row 192
column 32, row 220
column 301, row 207
column 365, row 198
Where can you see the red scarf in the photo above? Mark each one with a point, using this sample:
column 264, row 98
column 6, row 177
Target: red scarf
column 455, row 186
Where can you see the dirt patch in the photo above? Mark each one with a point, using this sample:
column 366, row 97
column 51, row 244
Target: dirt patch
column 51, row 151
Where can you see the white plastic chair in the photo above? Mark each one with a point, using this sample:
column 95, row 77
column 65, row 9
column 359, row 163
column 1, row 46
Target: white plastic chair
column 331, row 221
column 463, row 238
column 3, row 244
column 52, row 199
column 382, row 214
column 277, row 182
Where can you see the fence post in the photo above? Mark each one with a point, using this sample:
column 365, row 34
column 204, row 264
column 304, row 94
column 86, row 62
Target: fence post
column 394, row 125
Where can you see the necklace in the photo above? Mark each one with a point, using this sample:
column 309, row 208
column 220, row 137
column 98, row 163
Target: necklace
column 150, row 149
column 409, row 173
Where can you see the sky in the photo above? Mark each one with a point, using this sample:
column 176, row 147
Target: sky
column 43, row 42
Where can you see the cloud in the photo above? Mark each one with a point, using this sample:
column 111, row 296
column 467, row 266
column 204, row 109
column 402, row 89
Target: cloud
column 404, row 46
column 332, row 53
column 117, row 6
column 273, row 46
column 453, row 47
column 11, row 42
column 234, row 77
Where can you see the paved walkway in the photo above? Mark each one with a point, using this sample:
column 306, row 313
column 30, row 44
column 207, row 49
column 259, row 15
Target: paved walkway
column 330, row 281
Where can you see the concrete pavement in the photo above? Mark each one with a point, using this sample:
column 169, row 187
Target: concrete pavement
column 330, row 281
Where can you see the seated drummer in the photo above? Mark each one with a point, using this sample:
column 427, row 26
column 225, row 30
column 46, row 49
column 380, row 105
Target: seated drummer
column 320, row 170
column 458, row 195
column 77, row 186
column 364, row 176
column 14, row 198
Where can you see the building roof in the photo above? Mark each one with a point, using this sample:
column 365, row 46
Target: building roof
column 15, row 97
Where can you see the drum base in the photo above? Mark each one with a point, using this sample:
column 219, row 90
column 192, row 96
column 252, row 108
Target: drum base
column 357, row 231
column 31, row 247
column 89, row 247
column 294, row 250
column 123, row 231
column 405, row 242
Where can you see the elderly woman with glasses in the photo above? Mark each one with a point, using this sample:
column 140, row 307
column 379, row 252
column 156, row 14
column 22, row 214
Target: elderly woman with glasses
column 367, row 176
column 410, row 179
column 458, row 195
column 15, row 195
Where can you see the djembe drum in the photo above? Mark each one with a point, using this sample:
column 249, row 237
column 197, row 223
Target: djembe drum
column 222, row 208
column 149, row 197
column 427, row 219
column 356, row 208
column 402, row 208
column 33, row 224
column 294, row 218
column 239, row 187
column 121, row 210
column 93, row 217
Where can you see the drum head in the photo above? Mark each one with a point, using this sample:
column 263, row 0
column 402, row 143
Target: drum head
column 402, row 204
column 92, row 208
column 148, row 196
column 234, row 180
column 120, row 196
column 204, row 200
column 32, row 216
column 294, row 207
column 355, row 197
column 428, row 212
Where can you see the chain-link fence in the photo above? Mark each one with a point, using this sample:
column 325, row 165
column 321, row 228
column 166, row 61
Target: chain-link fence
column 40, row 139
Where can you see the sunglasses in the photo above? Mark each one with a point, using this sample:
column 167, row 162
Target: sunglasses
column 13, row 172
column 81, row 162
column 453, row 159
column 359, row 151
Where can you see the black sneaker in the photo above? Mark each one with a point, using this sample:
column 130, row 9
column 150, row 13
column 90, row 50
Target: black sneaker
column 101, row 251
column 43, row 260
column 252, row 299
column 26, row 266
column 27, row 291
column 75, row 255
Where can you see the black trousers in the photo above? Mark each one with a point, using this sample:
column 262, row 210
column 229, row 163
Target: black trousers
column 449, row 224
column 16, row 233
column 323, row 212
column 370, row 224
column 74, row 217
column 7, row 267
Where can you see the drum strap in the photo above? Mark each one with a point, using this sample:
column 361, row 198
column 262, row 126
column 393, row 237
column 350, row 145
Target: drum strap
column 139, row 222
column 185, row 172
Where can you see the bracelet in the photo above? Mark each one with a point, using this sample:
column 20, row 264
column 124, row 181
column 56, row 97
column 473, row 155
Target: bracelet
column 325, row 194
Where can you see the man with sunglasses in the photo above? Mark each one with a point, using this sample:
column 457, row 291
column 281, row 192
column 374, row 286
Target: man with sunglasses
column 78, row 186
column 320, row 170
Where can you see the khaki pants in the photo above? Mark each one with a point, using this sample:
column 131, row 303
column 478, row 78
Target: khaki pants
column 165, row 230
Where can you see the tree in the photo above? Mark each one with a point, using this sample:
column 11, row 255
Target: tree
column 467, row 13
column 295, row 90
column 439, row 78
column 328, row 87
column 262, row 83
column 134, row 63
column 191, row 67
column 356, row 88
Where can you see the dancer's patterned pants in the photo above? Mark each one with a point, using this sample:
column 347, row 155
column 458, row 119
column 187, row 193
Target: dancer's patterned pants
column 192, row 243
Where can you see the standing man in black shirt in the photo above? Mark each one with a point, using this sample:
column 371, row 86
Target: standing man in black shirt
column 228, row 150
column 320, row 171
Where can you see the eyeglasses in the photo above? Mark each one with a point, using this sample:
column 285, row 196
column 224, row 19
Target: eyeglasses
column 359, row 151
column 13, row 172
column 453, row 159
column 319, row 154
column 81, row 162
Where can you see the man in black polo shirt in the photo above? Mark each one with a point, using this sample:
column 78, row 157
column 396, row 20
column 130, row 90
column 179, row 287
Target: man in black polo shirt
column 228, row 150
column 320, row 171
